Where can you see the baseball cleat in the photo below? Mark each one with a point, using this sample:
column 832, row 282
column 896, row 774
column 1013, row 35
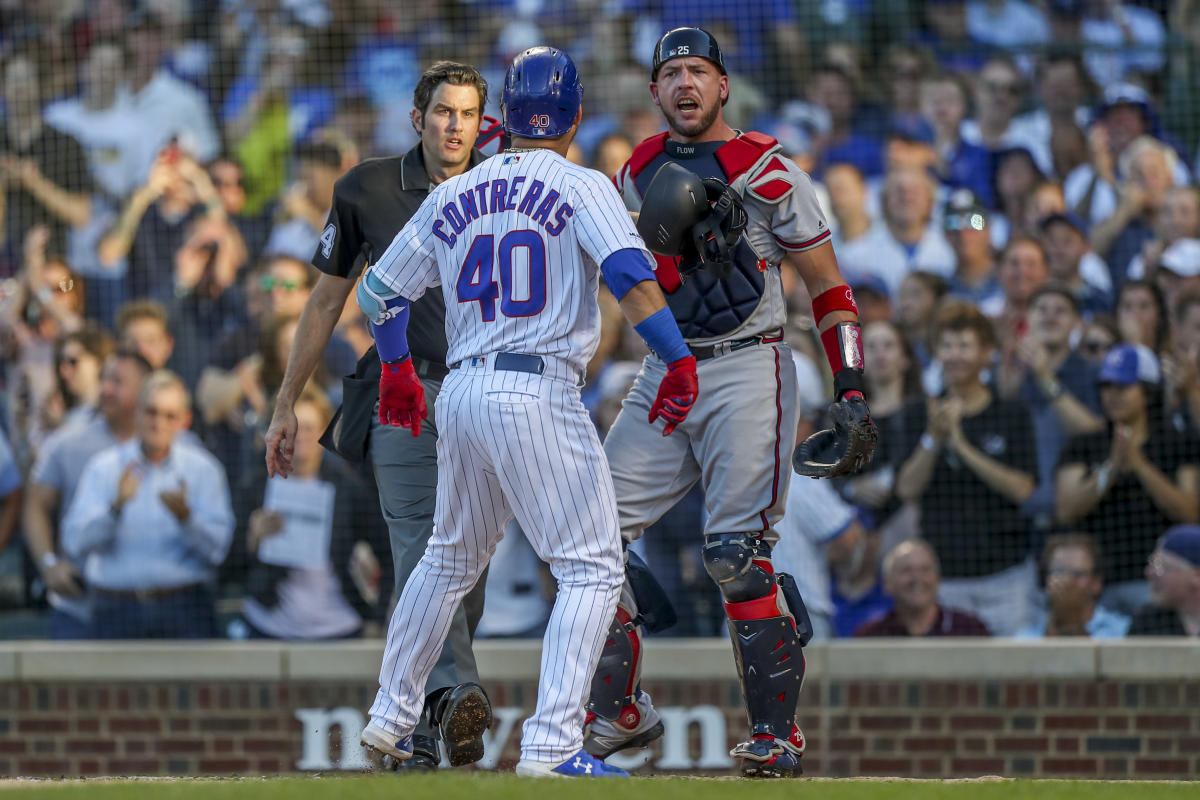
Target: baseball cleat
column 637, row 726
column 462, row 716
column 386, row 744
column 581, row 765
column 768, row 757
column 425, row 757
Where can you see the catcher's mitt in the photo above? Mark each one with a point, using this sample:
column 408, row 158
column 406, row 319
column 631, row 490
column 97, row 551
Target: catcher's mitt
column 845, row 448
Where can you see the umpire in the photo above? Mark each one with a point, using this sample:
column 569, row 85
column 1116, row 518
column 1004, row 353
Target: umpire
column 371, row 203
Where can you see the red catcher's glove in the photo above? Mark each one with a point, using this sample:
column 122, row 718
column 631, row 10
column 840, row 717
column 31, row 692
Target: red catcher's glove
column 676, row 394
column 401, row 397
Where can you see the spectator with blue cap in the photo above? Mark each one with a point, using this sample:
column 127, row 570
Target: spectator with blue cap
column 1126, row 484
column 1173, row 571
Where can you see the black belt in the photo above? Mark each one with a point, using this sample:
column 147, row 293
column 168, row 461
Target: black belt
column 429, row 369
column 705, row 351
column 507, row 362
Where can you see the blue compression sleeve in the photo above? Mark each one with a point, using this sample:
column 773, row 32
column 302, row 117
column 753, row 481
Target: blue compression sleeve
column 391, row 337
column 661, row 333
column 388, row 313
column 624, row 269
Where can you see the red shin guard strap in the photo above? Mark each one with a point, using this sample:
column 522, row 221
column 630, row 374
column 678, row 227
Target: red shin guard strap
column 761, row 608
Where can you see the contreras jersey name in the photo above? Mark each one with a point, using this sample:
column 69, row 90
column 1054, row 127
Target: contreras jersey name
column 491, row 197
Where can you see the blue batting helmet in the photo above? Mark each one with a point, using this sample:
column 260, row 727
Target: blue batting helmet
column 542, row 93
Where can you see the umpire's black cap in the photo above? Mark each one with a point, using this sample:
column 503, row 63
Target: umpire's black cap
column 683, row 42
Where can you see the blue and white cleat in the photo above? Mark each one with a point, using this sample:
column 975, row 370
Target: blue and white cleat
column 386, row 744
column 581, row 765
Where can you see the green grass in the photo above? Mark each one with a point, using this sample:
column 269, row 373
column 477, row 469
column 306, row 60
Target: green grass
column 507, row 787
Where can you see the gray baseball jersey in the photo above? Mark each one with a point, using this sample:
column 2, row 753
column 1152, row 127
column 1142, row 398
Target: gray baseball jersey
column 739, row 435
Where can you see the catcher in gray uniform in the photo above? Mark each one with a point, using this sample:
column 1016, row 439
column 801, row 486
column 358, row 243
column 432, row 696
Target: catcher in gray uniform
column 723, row 211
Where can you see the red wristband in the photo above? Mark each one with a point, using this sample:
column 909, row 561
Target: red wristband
column 839, row 298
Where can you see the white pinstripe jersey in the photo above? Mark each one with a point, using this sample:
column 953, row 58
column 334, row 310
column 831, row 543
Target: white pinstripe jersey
column 515, row 245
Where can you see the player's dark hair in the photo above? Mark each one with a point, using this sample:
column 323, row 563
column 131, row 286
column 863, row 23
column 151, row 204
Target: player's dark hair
column 450, row 72
column 957, row 316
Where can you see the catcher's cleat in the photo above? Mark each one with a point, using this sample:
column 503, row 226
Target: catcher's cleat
column 462, row 715
column 580, row 765
column 385, row 744
column 637, row 726
column 424, row 757
column 768, row 757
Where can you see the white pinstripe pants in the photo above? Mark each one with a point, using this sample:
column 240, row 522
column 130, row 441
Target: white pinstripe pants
column 512, row 444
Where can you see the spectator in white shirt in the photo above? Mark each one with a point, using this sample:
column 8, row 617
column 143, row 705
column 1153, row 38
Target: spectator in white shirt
column 904, row 239
column 167, row 107
column 152, row 521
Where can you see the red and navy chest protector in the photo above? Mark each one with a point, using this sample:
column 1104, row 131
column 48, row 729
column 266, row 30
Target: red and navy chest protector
column 707, row 305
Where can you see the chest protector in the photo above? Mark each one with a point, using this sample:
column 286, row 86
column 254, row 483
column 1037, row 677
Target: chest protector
column 708, row 305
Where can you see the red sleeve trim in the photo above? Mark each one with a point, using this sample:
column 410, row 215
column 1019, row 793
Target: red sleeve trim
column 646, row 152
column 740, row 154
column 816, row 240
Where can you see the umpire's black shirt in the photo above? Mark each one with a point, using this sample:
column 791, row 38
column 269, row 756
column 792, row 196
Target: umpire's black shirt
column 371, row 203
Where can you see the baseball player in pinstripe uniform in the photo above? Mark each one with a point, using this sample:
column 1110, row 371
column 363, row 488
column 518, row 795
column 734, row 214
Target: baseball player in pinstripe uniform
column 517, row 246
column 722, row 281
column 371, row 203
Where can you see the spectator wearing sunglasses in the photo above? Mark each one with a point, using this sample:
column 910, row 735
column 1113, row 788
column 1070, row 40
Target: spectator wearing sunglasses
column 1073, row 581
column 152, row 521
column 78, row 357
column 967, row 230
column 1099, row 335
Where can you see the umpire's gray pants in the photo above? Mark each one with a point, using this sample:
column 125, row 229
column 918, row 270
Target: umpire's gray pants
column 406, row 474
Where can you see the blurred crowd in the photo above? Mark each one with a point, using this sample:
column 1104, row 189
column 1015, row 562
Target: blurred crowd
column 1012, row 188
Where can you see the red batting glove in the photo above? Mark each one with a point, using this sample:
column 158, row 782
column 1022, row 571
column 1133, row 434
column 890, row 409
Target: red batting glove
column 676, row 394
column 401, row 397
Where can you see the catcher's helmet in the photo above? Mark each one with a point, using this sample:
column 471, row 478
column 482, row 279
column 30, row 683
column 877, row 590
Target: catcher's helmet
column 683, row 42
column 542, row 93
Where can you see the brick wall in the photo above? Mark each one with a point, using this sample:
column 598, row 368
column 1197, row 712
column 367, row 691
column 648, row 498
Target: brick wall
column 935, row 726
column 906, row 728
column 1103, row 729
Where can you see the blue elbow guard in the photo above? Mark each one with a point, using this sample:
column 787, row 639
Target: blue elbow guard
column 661, row 334
column 388, row 312
column 624, row 269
